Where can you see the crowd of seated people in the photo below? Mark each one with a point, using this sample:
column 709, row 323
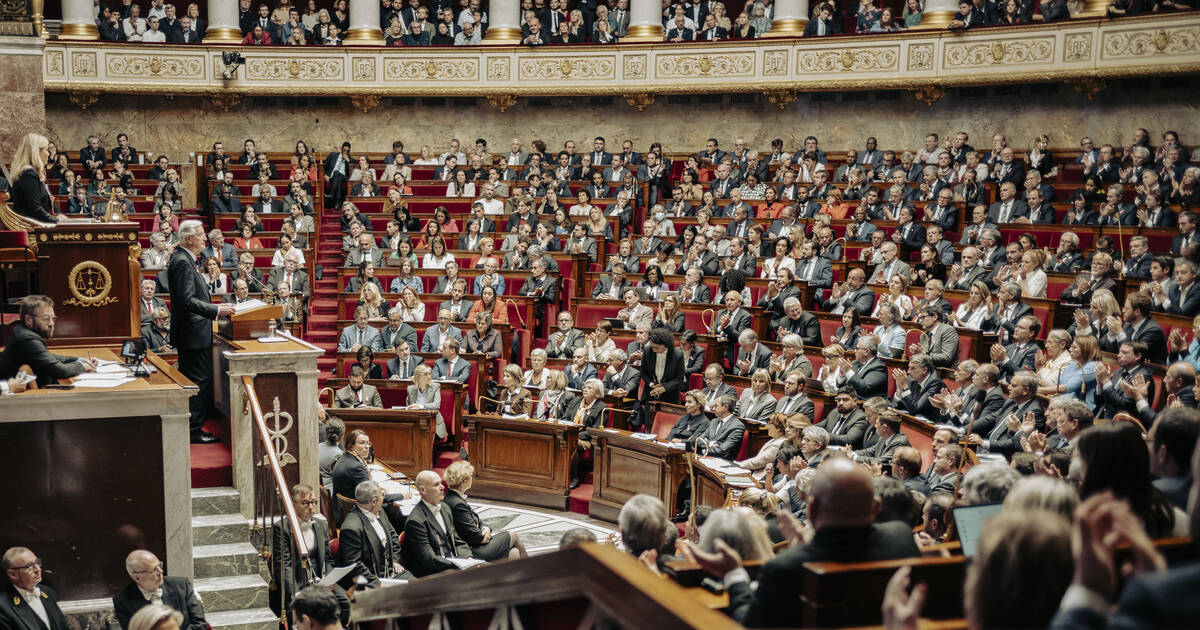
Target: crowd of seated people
column 545, row 22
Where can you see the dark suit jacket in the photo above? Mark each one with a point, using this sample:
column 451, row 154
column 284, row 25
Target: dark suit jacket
column 725, row 440
column 674, row 380
column 1151, row 333
column 192, row 308
column 688, row 427
column 775, row 604
column 915, row 399
column 426, row 545
column 1165, row 599
column 359, row 543
column 26, row 347
column 177, row 593
column 850, row 432
column 15, row 613
column 870, row 379
column 283, row 556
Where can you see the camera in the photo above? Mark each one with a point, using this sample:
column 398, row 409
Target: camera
column 232, row 61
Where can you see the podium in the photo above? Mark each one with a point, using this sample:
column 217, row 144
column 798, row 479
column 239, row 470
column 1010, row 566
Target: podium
column 91, row 271
column 249, row 324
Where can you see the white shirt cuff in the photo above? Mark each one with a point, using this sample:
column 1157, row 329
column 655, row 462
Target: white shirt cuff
column 1142, row 404
column 1080, row 596
column 737, row 576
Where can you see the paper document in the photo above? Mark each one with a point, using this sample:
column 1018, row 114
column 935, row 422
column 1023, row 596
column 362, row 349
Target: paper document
column 644, row 436
column 713, row 462
column 523, row 416
column 105, row 384
column 274, row 339
column 386, row 582
column 334, row 576
column 248, row 305
column 465, row 563
column 740, row 482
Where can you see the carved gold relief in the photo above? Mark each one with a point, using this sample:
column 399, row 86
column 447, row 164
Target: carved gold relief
column 567, row 68
column 225, row 100
column 502, row 101
column 849, row 60
column 154, row 66
column 54, row 63
column 1088, row 87
column 775, row 63
column 497, row 69
column 90, row 284
column 686, row 66
column 363, row 68
column 635, row 67
column 1077, row 47
column 1017, row 51
column 135, row 252
column 639, row 101
column 929, row 94
column 294, row 68
column 781, row 98
column 365, row 102
column 460, row 69
column 83, row 64
column 920, row 57
column 82, row 100
column 1158, row 42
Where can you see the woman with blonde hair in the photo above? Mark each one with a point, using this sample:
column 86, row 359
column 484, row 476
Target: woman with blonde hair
column 756, row 402
column 514, row 399
column 832, row 372
column 745, row 533
column 766, row 454
column 896, row 296
column 1078, row 377
column 1030, row 275
column 156, row 617
column 975, row 310
column 1091, row 321
column 1049, row 364
column 29, row 196
column 484, row 543
column 555, row 402
column 369, row 296
column 424, row 393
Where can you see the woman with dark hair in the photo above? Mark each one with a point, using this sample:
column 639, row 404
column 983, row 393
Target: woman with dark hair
column 408, row 223
column 848, row 333
column 365, row 357
column 366, row 274
column 684, row 241
column 732, row 280
column 1115, row 459
column 653, row 283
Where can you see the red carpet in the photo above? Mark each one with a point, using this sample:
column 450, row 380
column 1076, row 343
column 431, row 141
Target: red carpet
column 212, row 464
column 581, row 498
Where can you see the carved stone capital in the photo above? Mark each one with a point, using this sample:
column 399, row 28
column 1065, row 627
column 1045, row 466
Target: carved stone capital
column 502, row 101
column 781, row 98
column 225, row 100
column 930, row 94
column 365, row 102
column 639, row 100
column 82, row 100
column 1089, row 87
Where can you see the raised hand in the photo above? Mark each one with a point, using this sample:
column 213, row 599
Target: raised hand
column 901, row 608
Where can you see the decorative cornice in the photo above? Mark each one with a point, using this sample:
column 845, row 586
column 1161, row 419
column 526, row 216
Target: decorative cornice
column 924, row 61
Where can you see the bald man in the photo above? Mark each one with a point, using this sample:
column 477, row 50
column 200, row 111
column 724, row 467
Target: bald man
column 149, row 586
column 842, row 512
column 429, row 536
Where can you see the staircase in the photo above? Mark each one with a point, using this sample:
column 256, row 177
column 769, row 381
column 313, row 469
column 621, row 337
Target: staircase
column 228, row 578
column 322, row 328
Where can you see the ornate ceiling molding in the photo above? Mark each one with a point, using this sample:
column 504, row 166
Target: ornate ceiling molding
column 1075, row 51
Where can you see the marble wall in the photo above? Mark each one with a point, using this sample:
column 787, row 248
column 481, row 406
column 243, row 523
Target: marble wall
column 22, row 102
column 189, row 123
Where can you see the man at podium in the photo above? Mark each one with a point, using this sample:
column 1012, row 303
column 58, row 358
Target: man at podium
column 27, row 346
column 191, row 326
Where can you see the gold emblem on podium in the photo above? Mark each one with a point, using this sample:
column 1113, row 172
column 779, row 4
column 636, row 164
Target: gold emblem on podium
column 90, row 285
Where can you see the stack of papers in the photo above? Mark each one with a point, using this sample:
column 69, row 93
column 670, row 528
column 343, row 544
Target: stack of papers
column 740, row 482
column 465, row 563
column 101, row 380
column 644, row 436
column 248, row 305
column 732, row 470
column 714, row 462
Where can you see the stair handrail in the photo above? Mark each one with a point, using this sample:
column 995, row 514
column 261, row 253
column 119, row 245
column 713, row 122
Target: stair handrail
column 272, row 458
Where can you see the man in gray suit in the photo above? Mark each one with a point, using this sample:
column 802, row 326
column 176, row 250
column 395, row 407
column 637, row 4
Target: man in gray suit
column 964, row 274
column 458, row 305
column 751, row 355
column 397, row 333
column 939, row 341
column 715, row 386
column 1022, row 352
column 404, row 365
column 451, row 366
column 853, row 292
column 358, row 334
column 814, row 269
column 562, row 343
column 890, row 266
column 620, row 379
column 723, row 437
column 794, row 400
column 366, row 250
column 435, row 335
column 357, row 394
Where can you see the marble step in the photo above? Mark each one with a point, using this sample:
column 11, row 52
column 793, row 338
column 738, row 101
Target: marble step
column 225, row 560
column 252, row 619
column 241, row 592
column 219, row 529
column 212, row 501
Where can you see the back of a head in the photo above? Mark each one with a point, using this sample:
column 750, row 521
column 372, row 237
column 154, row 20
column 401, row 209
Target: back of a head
column 1115, row 459
column 318, row 604
column 335, row 431
column 895, row 501
column 150, row 616
column 1024, row 557
column 746, row 536
column 641, row 523
column 576, row 536
column 1043, row 492
column 842, row 495
column 988, row 483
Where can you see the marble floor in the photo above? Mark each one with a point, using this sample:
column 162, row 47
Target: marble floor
column 539, row 529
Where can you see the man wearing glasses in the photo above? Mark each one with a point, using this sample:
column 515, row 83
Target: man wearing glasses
column 25, row 604
column 27, row 346
column 150, row 587
column 290, row 574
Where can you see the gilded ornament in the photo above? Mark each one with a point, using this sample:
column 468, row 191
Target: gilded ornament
column 1088, row 87
column 225, row 100
column 847, row 60
column 998, row 51
column 564, row 67
column 365, row 102
column 640, row 100
column 90, row 284
column 705, row 64
column 82, row 100
column 294, row 67
column 156, row 65
column 135, row 252
column 502, row 101
column 929, row 94
column 781, row 98
column 431, row 68
column 1161, row 40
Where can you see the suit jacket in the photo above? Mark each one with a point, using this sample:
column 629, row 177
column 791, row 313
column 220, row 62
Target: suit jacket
column 701, row 294
column 1110, row 399
column 427, row 545
column 1189, row 305
column 387, row 338
column 284, row 553
column 344, row 398
column 941, row 344
column 1003, row 440
column 831, row 27
column 467, row 524
column 759, row 358
column 979, row 410
column 1148, row 331
column 604, row 288
column 176, row 592
column 738, row 322
column 460, row 373
column 862, row 298
column 1019, row 209
column 562, row 346
column 915, row 399
column 759, row 408
column 1164, row 599
column 360, row 544
column 432, row 341
column 774, row 603
column 848, row 431
column 349, row 337
column 880, row 275
column 882, row 450
column 393, row 365
column 193, row 310
column 1019, row 358
column 490, row 344
column 548, row 284
column 627, row 379
column 723, row 438
column 15, row 613
column 688, row 427
column 300, row 285
column 821, row 275
column 796, row 403
column 869, row 379
column 27, row 347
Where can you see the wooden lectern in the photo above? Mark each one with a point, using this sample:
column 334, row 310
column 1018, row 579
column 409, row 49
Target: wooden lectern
column 249, row 324
column 91, row 271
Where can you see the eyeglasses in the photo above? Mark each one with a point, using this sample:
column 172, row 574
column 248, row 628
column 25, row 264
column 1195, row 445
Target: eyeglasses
column 310, row 502
column 154, row 569
column 36, row 563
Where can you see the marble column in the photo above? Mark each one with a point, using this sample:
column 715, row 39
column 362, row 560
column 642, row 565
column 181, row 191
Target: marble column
column 938, row 14
column 645, row 21
column 364, row 24
column 22, row 93
column 223, row 27
column 791, row 16
column 504, row 23
column 78, row 20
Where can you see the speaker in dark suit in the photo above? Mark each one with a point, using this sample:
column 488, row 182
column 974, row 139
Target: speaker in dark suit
column 191, row 323
column 429, row 536
column 149, row 584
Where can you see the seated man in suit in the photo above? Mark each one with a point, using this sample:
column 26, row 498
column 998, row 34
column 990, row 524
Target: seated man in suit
column 27, row 346
column 357, row 394
column 219, row 249
column 369, row 540
column 156, row 333
column 1138, row 326
column 846, row 423
column 1011, row 421
column 1183, row 298
column 292, row 274
column 887, row 427
column 1020, row 354
column 854, row 292
column 451, row 367
column 751, row 355
column 240, row 293
column 150, row 304
column 890, row 265
column 429, row 534
column 398, row 333
column 977, row 408
column 563, row 342
column 435, row 335
column 1087, row 283
column 358, row 334
column 939, row 340
column 1008, row 208
column 1110, row 396
column 914, row 387
column 150, row 587
column 620, row 379
column 24, row 571
column 715, row 386
column 723, row 437
column 288, row 572
column 841, row 508
column 866, row 375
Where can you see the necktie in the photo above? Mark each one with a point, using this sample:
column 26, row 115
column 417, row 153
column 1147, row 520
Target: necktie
column 360, row 337
column 1004, row 212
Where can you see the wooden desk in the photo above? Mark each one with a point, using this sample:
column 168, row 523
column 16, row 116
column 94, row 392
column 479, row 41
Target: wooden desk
column 522, row 461
column 403, row 438
column 395, row 394
column 625, row 466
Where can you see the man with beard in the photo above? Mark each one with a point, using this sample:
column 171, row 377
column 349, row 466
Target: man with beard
column 27, row 346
